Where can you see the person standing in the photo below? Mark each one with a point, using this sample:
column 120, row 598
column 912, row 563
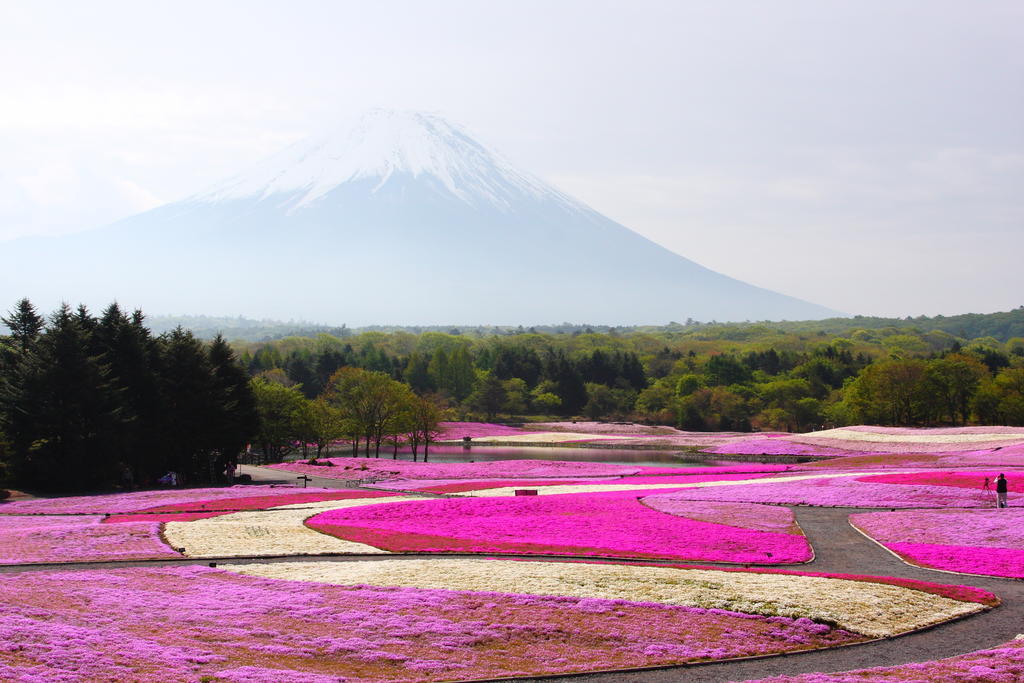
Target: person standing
column 1001, row 491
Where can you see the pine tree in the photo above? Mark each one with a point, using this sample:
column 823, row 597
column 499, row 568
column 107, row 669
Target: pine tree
column 62, row 410
column 25, row 325
column 233, row 402
column 187, row 428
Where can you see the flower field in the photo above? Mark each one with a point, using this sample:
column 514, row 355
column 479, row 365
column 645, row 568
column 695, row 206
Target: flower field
column 183, row 623
column 83, row 538
column 961, row 446
column 865, row 607
column 260, row 533
column 857, row 489
column 1000, row 664
column 380, row 617
column 162, row 500
column 752, row 516
column 691, row 476
column 373, row 468
column 592, row 525
column 989, row 542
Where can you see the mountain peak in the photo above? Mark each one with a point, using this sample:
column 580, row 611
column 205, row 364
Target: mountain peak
column 381, row 145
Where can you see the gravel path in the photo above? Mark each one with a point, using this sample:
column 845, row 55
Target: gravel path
column 838, row 548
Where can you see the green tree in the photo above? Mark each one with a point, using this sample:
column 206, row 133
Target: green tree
column 426, row 414
column 281, row 412
column 489, row 395
column 953, row 380
column 517, row 396
column 25, row 325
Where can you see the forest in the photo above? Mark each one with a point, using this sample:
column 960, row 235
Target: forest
column 785, row 376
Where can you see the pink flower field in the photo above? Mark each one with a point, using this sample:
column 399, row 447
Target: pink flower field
column 593, row 524
column 386, row 468
column 751, row 516
column 465, row 485
column 76, row 537
column 451, row 431
column 988, row 542
column 889, row 446
column 184, row 623
column 180, row 512
column 847, row 491
column 1003, row 664
column 779, row 444
column 965, row 479
column 141, row 500
column 25, row 540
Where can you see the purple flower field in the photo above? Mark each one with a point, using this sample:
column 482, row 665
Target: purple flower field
column 78, row 539
column 184, row 623
column 1004, row 664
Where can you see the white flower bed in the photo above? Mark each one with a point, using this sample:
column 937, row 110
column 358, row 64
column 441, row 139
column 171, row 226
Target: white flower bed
column 275, row 531
column 872, row 609
column 854, row 435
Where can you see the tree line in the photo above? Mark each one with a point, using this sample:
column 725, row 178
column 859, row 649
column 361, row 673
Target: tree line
column 712, row 378
column 87, row 401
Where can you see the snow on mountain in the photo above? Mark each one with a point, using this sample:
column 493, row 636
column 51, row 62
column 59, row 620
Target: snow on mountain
column 402, row 218
column 381, row 144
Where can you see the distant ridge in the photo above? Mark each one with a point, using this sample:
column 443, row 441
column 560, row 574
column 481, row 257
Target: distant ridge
column 401, row 219
column 1001, row 326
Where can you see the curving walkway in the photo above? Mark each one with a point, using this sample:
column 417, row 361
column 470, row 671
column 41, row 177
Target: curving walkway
column 838, row 549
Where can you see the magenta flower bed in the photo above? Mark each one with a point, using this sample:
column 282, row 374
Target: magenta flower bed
column 844, row 492
column 33, row 539
column 366, row 468
column 988, row 542
column 961, row 479
column 594, row 524
column 183, row 512
column 184, row 623
column 141, row 500
column 464, row 485
column 1000, row 664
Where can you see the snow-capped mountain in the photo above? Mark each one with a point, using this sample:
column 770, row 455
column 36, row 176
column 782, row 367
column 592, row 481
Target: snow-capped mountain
column 381, row 144
column 401, row 218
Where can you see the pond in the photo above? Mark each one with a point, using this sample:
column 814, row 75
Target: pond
column 646, row 458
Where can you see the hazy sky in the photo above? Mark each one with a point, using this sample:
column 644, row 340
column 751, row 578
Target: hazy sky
column 868, row 156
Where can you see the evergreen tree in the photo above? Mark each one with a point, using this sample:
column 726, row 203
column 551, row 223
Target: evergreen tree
column 187, row 396
column 61, row 410
column 25, row 325
column 234, row 405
